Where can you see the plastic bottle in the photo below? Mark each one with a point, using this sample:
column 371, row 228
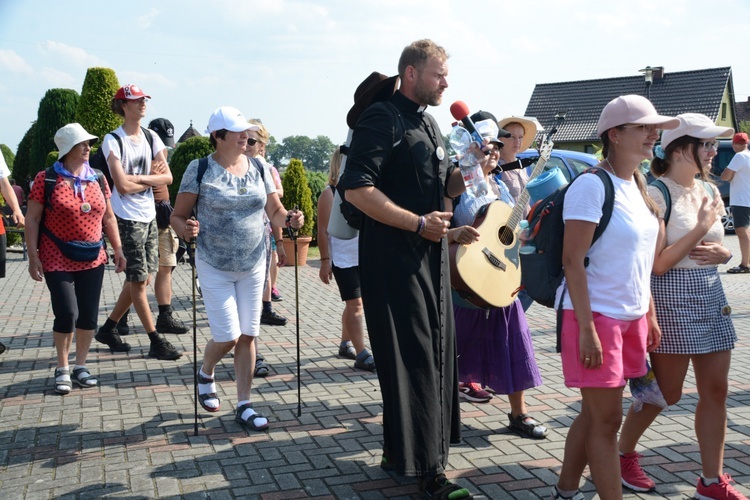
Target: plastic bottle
column 527, row 246
column 461, row 141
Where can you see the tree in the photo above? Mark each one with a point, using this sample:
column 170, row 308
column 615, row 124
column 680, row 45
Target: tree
column 745, row 126
column 314, row 153
column 22, row 164
column 317, row 182
column 57, row 108
column 94, row 112
column 8, row 156
column 184, row 153
column 297, row 193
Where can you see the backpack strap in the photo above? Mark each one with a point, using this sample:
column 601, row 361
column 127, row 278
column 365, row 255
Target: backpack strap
column 659, row 184
column 259, row 165
column 609, row 201
column 50, row 181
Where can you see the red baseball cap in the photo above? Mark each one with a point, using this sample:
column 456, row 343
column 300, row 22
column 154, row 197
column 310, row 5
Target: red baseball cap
column 740, row 138
column 131, row 92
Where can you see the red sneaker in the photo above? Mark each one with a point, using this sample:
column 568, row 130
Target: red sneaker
column 722, row 489
column 473, row 392
column 633, row 477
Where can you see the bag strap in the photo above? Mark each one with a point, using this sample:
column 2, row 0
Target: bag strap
column 659, row 184
column 609, row 201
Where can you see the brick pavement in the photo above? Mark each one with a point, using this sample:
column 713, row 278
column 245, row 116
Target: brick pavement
column 132, row 437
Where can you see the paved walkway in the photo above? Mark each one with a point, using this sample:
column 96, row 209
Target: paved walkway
column 133, row 437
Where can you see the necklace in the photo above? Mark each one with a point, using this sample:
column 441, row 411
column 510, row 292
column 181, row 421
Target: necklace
column 611, row 169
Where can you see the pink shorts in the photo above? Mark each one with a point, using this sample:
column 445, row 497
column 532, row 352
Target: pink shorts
column 623, row 348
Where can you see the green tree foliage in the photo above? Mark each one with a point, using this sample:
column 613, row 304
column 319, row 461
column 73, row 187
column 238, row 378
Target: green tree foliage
column 317, row 182
column 297, row 194
column 94, row 112
column 745, row 126
column 57, row 108
column 50, row 159
column 8, row 156
column 22, row 165
column 314, row 153
column 184, row 153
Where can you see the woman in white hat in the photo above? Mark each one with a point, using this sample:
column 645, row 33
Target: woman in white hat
column 608, row 322
column 691, row 307
column 230, row 199
column 68, row 209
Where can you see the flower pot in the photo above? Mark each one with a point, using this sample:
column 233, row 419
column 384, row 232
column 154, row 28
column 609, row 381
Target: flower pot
column 303, row 244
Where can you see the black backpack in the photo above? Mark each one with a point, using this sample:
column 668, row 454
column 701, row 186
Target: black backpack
column 542, row 271
column 99, row 162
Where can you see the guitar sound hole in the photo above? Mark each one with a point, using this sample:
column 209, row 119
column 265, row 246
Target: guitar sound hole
column 505, row 235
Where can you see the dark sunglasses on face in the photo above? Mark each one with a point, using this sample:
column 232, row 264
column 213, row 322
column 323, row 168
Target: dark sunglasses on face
column 252, row 142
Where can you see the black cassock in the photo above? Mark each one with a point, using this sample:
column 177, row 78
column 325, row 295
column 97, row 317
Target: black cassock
column 405, row 281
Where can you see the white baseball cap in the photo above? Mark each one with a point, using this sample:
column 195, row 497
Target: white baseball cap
column 694, row 125
column 229, row 118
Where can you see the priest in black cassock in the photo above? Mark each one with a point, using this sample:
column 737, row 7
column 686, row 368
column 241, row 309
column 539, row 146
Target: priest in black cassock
column 398, row 173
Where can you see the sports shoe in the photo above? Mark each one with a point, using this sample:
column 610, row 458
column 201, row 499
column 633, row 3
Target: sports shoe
column 111, row 338
column 473, row 392
column 162, row 349
column 555, row 495
column 271, row 318
column 166, row 323
column 122, row 325
column 722, row 489
column 633, row 477
column 276, row 295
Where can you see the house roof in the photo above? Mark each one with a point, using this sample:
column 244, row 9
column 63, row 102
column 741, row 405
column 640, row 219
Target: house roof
column 743, row 110
column 190, row 132
column 699, row 91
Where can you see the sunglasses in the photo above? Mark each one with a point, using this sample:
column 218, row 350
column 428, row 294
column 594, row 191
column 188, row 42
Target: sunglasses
column 709, row 145
column 648, row 129
column 252, row 142
column 488, row 152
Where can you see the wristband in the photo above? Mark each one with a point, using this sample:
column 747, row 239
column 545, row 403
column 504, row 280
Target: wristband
column 729, row 258
column 420, row 228
column 325, row 258
column 280, row 240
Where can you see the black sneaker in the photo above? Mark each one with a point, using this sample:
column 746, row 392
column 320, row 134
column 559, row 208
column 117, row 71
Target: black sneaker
column 271, row 318
column 162, row 349
column 122, row 325
column 111, row 338
column 166, row 323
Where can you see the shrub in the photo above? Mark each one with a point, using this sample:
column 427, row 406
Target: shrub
column 8, row 156
column 57, row 108
column 22, row 164
column 51, row 159
column 317, row 182
column 184, row 153
column 94, row 112
column 297, row 193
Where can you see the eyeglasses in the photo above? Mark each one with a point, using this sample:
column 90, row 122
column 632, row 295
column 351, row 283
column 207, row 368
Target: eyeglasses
column 252, row 142
column 648, row 129
column 143, row 100
column 709, row 145
column 488, row 152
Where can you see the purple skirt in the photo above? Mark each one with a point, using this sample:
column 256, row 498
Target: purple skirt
column 495, row 350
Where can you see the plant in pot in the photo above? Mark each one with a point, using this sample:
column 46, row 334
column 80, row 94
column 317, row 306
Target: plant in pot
column 297, row 193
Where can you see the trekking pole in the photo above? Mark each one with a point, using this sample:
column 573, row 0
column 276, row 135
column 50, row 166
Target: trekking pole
column 293, row 236
column 195, row 340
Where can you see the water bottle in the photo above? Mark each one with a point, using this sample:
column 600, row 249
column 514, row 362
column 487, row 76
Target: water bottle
column 527, row 246
column 461, row 140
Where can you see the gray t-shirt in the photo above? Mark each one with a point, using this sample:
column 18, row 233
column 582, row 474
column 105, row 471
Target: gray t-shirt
column 230, row 212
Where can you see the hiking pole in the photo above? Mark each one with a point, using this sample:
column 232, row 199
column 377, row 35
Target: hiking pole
column 195, row 340
column 293, row 236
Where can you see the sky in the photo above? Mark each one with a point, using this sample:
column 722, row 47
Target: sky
column 295, row 64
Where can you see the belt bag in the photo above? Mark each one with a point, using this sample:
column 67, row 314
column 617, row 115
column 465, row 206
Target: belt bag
column 79, row 251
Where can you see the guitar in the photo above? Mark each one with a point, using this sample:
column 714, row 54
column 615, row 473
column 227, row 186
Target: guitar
column 487, row 273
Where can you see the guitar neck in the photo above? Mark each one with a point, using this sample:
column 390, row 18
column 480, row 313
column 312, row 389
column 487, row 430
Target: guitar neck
column 523, row 198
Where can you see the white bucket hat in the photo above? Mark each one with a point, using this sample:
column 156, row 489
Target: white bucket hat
column 70, row 135
column 694, row 125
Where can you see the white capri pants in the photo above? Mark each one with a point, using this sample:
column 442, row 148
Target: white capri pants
column 232, row 300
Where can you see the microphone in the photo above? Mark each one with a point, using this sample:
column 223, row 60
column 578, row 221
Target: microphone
column 460, row 111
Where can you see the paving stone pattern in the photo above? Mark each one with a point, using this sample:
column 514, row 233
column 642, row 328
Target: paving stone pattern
column 133, row 437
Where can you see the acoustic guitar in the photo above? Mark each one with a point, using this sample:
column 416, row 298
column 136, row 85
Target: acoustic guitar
column 487, row 273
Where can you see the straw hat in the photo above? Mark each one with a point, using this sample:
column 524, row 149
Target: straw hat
column 529, row 129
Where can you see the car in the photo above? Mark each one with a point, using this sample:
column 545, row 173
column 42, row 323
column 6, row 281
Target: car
column 571, row 163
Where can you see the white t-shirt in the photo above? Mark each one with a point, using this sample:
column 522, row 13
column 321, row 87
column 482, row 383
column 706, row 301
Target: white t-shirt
column 739, row 187
column 4, row 170
column 620, row 261
column 136, row 160
column 684, row 215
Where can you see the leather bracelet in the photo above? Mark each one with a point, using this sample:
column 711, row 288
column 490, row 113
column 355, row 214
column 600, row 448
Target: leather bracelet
column 325, row 258
column 280, row 240
column 730, row 258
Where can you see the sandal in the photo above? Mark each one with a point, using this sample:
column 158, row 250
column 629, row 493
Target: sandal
column 83, row 378
column 62, row 381
column 365, row 361
column 438, row 487
column 739, row 270
column 209, row 393
column 347, row 350
column 527, row 426
column 261, row 368
column 250, row 420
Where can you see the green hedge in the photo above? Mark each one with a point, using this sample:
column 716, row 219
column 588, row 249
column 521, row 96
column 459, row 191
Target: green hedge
column 297, row 193
column 184, row 153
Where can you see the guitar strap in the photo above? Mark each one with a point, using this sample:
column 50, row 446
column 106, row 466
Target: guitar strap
column 514, row 165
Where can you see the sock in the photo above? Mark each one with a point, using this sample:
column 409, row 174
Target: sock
column 166, row 309
column 708, row 481
column 153, row 336
column 109, row 324
column 267, row 307
column 565, row 493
